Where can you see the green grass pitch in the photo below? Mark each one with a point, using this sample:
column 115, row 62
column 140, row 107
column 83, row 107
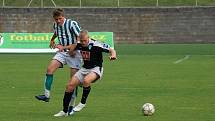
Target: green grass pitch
column 179, row 79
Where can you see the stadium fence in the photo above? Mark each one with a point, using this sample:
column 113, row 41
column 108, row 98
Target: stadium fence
column 104, row 3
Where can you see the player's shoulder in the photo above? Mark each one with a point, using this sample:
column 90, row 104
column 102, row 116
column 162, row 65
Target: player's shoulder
column 97, row 43
column 72, row 21
column 94, row 42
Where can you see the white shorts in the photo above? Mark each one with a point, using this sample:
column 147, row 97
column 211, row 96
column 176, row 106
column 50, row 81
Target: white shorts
column 83, row 72
column 64, row 58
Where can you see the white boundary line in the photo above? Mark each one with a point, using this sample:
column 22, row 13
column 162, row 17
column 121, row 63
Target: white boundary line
column 190, row 108
column 28, row 50
column 182, row 59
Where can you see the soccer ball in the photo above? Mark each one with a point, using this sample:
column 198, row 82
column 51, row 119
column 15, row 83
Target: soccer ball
column 148, row 109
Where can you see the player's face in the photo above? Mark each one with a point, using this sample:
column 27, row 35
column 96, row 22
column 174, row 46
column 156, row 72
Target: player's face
column 84, row 41
column 59, row 20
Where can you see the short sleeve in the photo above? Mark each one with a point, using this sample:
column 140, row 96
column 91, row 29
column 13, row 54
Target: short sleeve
column 103, row 46
column 75, row 27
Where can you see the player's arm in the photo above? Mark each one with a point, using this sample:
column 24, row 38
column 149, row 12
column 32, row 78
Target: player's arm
column 106, row 48
column 112, row 54
column 52, row 43
column 72, row 49
column 67, row 47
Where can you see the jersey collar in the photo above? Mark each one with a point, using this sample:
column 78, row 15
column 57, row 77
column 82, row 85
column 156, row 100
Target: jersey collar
column 63, row 22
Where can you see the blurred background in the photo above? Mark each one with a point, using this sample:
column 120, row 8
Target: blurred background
column 131, row 21
column 104, row 3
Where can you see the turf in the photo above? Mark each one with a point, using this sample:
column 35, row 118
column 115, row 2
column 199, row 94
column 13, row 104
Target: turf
column 142, row 73
column 107, row 3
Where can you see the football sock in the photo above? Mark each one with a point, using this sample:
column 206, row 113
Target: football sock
column 74, row 95
column 86, row 91
column 70, row 108
column 72, row 101
column 66, row 99
column 48, row 83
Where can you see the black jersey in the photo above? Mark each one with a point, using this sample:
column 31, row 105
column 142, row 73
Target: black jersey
column 92, row 54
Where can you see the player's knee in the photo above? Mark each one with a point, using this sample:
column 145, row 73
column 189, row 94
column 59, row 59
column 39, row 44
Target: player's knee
column 50, row 70
column 70, row 86
column 86, row 83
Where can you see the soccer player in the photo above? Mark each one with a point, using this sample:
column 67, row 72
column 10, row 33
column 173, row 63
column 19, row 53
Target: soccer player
column 92, row 70
column 67, row 32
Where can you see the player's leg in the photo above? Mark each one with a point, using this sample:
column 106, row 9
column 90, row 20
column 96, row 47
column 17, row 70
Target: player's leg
column 72, row 84
column 72, row 102
column 57, row 61
column 92, row 76
column 52, row 67
column 74, row 95
column 89, row 78
column 74, row 63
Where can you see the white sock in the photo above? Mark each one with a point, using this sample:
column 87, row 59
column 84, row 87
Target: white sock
column 72, row 102
column 47, row 93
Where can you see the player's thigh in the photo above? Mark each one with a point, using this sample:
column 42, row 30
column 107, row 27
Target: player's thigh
column 73, row 71
column 73, row 83
column 90, row 77
column 53, row 66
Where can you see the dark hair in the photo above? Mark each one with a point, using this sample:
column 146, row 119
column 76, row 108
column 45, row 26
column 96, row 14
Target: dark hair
column 58, row 12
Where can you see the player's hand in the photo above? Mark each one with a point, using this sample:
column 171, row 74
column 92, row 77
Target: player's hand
column 52, row 44
column 112, row 58
column 60, row 47
column 72, row 53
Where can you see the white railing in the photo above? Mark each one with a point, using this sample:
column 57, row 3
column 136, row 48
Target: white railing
column 42, row 3
column 157, row 4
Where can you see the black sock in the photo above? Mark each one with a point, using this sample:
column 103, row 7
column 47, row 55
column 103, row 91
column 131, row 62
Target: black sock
column 66, row 100
column 70, row 109
column 86, row 91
